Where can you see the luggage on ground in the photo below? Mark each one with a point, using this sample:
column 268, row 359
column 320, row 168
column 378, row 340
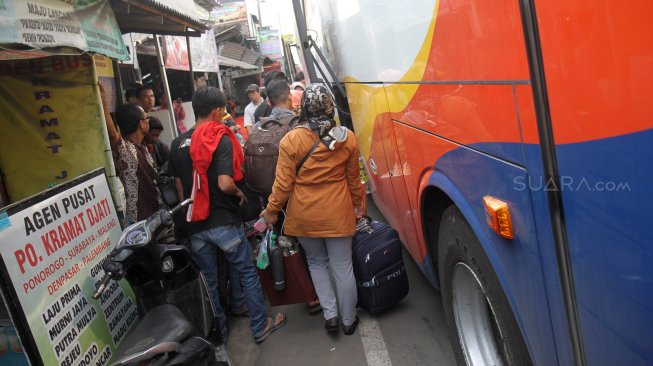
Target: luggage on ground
column 298, row 285
column 381, row 277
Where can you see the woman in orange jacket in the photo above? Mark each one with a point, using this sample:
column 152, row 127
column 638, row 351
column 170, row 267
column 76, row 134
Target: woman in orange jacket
column 324, row 200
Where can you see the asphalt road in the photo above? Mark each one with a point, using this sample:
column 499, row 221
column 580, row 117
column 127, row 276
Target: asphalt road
column 412, row 333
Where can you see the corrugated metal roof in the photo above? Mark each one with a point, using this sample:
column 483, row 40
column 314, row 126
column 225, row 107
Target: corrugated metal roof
column 232, row 50
column 182, row 8
column 241, row 53
column 250, row 56
column 225, row 61
column 172, row 17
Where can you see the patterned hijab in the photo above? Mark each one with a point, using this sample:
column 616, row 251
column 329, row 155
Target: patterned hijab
column 316, row 102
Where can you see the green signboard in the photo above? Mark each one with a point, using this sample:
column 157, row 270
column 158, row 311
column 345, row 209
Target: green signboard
column 88, row 25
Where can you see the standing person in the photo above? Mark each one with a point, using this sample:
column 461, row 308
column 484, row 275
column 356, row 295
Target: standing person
column 296, row 92
column 299, row 78
column 265, row 109
column 134, row 164
column 209, row 153
column 145, row 98
column 324, row 200
column 232, row 106
column 297, row 85
column 130, row 96
column 255, row 97
column 279, row 95
column 163, row 103
column 157, row 148
column 296, row 97
column 177, row 108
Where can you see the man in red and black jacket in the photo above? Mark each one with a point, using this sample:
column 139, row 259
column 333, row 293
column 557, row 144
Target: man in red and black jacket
column 206, row 163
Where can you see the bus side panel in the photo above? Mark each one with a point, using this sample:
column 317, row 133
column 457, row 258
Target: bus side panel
column 469, row 176
column 364, row 101
column 471, row 114
column 607, row 197
column 477, row 40
column 380, row 176
column 404, row 213
column 598, row 62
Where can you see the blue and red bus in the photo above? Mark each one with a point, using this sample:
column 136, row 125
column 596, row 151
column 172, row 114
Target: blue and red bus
column 511, row 145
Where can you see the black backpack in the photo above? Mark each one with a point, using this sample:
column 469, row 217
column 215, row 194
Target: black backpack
column 262, row 152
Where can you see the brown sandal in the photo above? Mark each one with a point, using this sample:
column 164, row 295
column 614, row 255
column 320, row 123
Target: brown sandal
column 279, row 321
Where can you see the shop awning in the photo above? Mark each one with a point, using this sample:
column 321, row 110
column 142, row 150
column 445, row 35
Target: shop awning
column 169, row 17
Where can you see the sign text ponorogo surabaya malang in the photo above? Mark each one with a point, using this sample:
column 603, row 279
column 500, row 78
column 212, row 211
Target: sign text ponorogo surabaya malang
column 56, row 241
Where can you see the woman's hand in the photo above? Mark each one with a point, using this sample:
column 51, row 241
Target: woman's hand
column 270, row 218
column 358, row 212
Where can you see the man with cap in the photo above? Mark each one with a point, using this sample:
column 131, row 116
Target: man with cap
column 255, row 97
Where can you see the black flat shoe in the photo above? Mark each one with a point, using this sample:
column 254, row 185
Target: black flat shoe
column 331, row 325
column 350, row 329
column 315, row 309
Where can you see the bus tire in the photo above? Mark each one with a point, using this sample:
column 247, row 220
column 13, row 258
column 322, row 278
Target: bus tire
column 482, row 326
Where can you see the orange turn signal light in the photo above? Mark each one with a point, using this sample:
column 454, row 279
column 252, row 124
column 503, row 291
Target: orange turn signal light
column 497, row 216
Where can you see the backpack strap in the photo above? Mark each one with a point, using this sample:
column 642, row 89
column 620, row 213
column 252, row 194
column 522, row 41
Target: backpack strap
column 290, row 121
column 269, row 122
column 293, row 122
column 301, row 163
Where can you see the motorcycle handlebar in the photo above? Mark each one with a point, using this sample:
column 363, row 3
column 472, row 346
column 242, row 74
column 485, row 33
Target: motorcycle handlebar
column 178, row 208
column 108, row 274
column 103, row 285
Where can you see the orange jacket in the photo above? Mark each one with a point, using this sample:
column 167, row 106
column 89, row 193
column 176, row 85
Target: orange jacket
column 322, row 196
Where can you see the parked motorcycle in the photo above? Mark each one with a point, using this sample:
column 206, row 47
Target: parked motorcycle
column 178, row 324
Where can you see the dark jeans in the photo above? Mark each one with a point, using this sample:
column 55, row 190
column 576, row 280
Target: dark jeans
column 238, row 252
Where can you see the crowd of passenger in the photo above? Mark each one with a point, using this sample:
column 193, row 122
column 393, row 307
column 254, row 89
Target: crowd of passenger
column 316, row 185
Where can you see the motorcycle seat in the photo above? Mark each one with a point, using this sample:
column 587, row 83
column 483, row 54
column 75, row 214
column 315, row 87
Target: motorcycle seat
column 160, row 331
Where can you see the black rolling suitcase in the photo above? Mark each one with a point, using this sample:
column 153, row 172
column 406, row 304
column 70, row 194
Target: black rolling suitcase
column 380, row 273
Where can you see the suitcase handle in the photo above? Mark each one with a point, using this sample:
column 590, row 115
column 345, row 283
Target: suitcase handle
column 364, row 225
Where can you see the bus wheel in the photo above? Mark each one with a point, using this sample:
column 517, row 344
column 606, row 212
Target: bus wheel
column 482, row 327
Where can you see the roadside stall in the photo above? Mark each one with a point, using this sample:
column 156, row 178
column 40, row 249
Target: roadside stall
column 158, row 20
column 53, row 142
column 52, row 132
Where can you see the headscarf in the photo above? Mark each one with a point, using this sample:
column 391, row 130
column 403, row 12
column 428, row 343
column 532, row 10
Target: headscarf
column 316, row 102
